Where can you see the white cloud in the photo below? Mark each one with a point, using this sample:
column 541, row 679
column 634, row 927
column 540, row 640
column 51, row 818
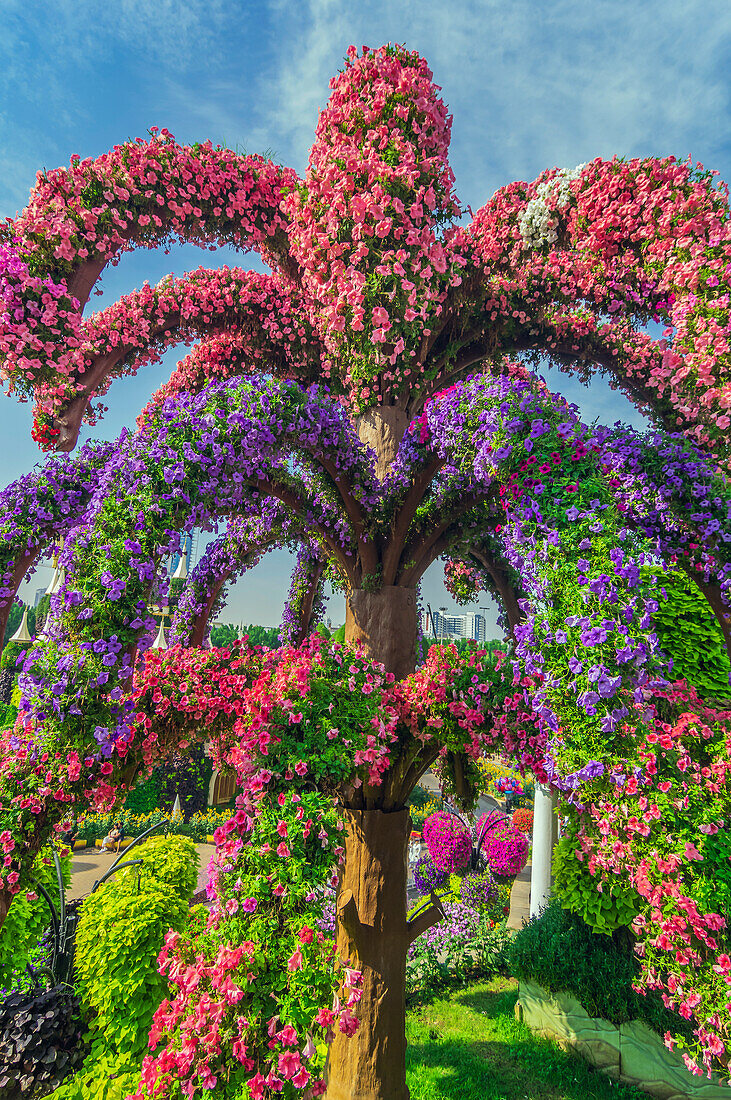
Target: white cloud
column 531, row 84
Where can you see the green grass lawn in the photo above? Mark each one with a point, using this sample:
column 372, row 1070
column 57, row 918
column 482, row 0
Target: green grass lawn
column 469, row 1046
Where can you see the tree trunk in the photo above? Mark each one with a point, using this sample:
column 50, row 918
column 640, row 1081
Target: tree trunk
column 385, row 621
column 382, row 429
column 372, row 936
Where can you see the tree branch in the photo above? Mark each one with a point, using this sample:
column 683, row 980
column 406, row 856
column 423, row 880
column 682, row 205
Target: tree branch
column 404, row 518
column 348, row 912
column 424, row 920
column 418, row 552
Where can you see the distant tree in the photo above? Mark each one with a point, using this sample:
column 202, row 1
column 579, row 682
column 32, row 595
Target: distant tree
column 263, row 635
column 40, row 613
column 224, row 634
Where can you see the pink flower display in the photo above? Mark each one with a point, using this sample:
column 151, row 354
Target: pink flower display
column 448, row 841
column 505, row 849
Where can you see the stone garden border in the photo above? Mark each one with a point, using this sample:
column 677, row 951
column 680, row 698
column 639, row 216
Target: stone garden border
column 631, row 1052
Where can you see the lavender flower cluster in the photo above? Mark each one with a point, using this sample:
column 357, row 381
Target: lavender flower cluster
column 479, row 891
column 461, row 924
column 427, row 876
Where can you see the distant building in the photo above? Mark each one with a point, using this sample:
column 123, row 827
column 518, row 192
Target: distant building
column 40, row 593
column 450, row 627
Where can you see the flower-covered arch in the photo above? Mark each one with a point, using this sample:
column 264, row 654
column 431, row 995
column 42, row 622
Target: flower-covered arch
column 39, row 509
column 386, row 302
column 264, row 525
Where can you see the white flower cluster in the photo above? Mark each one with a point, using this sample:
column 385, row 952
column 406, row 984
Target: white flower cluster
column 538, row 223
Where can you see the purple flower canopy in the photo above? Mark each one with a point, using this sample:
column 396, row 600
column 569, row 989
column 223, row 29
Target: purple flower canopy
column 288, row 464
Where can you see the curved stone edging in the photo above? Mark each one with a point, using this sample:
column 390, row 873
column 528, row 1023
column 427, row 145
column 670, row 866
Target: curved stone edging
column 631, row 1053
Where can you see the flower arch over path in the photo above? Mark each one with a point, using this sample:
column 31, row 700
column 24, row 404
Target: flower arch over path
column 567, row 265
column 385, row 302
column 39, row 509
column 199, row 457
column 264, row 525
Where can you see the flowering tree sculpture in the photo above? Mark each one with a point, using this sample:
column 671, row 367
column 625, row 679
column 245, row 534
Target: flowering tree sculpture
column 371, row 400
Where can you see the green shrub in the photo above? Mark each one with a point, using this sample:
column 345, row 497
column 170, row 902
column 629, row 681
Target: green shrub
column 418, row 798
column 168, row 860
column 119, row 937
column 688, row 631
column 558, row 951
column 11, row 653
column 8, row 714
column 142, row 799
column 576, row 888
column 104, row 1078
column 27, row 920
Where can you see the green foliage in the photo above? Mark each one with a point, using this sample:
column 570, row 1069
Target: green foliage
column 223, row 634
column 263, row 635
column 142, row 799
column 119, row 937
column 339, row 635
column 27, row 920
column 8, row 714
column 418, row 798
column 171, row 861
column 11, row 653
column 711, row 886
column 576, row 888
column 688, row 632
column 14, row 616
column 103, row 1078
column 41, row 613
column 558, row 951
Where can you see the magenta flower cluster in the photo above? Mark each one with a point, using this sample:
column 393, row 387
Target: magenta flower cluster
column 505, row 850
column 448, row 842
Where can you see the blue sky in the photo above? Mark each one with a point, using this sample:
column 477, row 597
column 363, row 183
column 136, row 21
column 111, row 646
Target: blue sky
column 531, row 84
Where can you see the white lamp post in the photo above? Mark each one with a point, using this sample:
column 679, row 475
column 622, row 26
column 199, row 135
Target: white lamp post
column 160, row 639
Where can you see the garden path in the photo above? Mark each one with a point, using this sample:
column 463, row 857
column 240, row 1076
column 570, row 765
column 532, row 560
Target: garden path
column 89, row 864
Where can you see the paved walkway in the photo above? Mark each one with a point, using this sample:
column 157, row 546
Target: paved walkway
column 89, row 864
column 520, row 899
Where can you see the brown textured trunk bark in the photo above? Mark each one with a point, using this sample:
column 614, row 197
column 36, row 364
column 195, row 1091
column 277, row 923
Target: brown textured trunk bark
column 372, row 931
column 372, row 936
column 382, row 429
column 385, row 621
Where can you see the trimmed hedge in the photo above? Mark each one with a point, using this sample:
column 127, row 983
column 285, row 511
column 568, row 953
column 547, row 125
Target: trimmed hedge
column 561, row 953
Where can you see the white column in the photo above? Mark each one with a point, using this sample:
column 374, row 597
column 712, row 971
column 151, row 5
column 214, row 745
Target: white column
column 545, row 824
